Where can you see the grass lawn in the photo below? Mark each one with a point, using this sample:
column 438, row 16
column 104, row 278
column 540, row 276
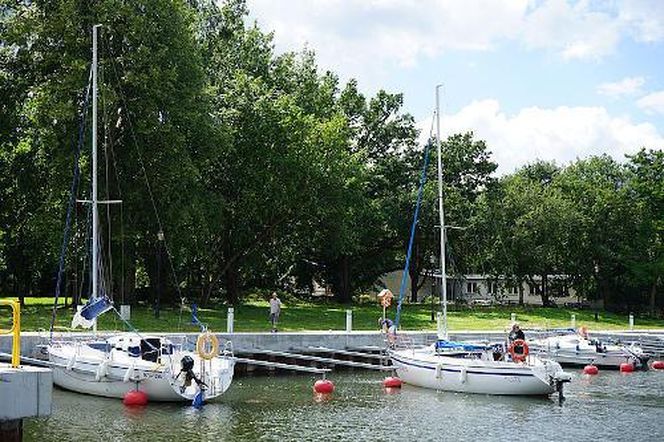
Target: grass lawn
column 253, row 316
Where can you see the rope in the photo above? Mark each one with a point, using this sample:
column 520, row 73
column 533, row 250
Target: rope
column 132, row 328
column 423, row 180
column 71, row 204
column 145, row 175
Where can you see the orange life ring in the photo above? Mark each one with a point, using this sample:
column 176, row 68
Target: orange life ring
column 518, row 357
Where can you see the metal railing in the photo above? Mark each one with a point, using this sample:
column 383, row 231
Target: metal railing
column 15, row 329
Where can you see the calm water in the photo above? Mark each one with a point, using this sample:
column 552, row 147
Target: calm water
column 610, row 406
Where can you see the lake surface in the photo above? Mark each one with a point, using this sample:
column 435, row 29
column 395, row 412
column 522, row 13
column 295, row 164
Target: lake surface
column 610, row 406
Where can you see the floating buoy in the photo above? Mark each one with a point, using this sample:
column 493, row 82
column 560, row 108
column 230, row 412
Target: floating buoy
column 590, row 369
column 135, row 398
column 658, row 365
column 626, row 367
column 392, row 382
column 324, row 386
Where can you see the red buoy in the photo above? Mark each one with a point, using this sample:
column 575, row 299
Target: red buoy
column 392, row 382
column 590, row 369
column 135, row 398
column 324, row 386
column 626, row 367
column 658, row 365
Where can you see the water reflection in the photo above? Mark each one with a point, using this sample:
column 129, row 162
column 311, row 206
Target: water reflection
column 604, row 407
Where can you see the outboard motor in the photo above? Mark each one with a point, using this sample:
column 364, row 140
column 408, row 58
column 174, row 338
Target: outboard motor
column 187, row 367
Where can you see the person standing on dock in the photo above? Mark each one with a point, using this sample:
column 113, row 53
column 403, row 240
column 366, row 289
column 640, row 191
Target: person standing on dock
column 275, row 311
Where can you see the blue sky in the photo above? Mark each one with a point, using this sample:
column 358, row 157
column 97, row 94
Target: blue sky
column 537, row 79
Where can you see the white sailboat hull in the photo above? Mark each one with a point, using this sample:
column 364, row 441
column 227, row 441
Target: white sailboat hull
column 82, row 369
column 447, row 373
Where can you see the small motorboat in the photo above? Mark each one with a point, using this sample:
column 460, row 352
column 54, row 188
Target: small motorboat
column 581, row 349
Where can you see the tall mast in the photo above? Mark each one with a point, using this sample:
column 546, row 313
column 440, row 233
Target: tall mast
column 443, row 280
column 95, row 214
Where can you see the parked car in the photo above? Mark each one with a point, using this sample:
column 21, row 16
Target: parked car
column 481, row 302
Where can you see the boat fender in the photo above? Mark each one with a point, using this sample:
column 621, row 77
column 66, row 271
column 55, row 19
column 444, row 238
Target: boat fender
column 71, row 363
column 439, row 371
column 129, row 373
column 102, row 370
column 518, row 357
column 463, row 375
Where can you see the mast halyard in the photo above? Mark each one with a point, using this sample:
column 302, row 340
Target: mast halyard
column 443, row 280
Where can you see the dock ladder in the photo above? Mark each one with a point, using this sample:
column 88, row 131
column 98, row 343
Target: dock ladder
column 15, row 329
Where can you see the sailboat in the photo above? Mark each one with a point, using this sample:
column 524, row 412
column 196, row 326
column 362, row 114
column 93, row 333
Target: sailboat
column 460, row 367
column 158, row 366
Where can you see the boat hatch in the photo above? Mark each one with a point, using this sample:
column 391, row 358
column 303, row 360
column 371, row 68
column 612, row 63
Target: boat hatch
column 101, row 346
column 150, row 349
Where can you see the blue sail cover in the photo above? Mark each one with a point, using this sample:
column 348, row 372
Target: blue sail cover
column 443, row 344
column 95, row 307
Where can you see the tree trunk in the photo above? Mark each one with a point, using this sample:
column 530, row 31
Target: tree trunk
column 343, row 289
column 653, row 297
column 544, row 291
column 414, row 275
column 520, row 292
column 232, row 285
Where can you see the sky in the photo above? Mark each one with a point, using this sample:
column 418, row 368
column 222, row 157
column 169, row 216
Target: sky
column 536, row 79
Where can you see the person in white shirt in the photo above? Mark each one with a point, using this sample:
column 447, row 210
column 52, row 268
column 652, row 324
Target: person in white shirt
column 275, row 310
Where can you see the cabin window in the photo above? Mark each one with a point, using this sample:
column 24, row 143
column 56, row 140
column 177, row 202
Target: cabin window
column 471, row 287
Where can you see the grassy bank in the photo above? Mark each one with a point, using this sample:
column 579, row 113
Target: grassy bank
column 253, row 316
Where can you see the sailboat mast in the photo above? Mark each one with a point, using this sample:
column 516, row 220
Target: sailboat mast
column 443, row 280
column 95, row 213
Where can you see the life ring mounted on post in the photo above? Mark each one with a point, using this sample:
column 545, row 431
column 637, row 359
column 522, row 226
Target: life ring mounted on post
column 519, row 357
column 207, row 346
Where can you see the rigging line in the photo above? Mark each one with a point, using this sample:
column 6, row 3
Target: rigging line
column 71, row 203
column 119, row 190
column 133, row 329
column 420, row 191
column 104, row 116
column 145, row 175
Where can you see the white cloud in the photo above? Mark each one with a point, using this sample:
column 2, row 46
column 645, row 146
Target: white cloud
column 561, row 134
column 652, row 103
column 645, row 19
column 366, row 37
column 574, row 30
column 626, row 86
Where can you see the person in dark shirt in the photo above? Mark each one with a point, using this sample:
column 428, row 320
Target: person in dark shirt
column 516, row 333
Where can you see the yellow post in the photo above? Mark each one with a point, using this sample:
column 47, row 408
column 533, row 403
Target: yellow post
column 15, row 330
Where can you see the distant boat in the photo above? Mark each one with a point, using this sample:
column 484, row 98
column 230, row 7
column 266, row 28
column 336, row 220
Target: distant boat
column 577, row 349
column 111, row 367
column 459, row 367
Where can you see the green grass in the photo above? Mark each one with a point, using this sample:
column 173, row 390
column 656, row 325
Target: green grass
column 253, row 316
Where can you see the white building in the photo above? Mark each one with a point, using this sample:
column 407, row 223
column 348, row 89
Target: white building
column 485, row 289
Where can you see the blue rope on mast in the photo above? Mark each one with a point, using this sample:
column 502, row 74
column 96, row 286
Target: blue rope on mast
column 72, row 203
column 402, row 288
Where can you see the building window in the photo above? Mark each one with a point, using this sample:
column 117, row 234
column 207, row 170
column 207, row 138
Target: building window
column 514, row 290
column 493, row 288
column 534, row 289
column 471, row 287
